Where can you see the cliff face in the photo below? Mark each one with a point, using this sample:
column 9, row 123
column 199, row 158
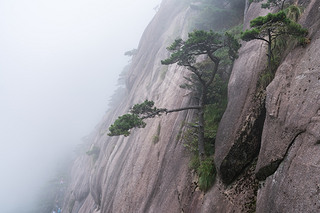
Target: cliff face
column 289, row 156
column 287, row 140
column 273, row 136
column 134, row 174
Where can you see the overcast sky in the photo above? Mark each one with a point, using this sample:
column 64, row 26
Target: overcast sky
column 59, row 63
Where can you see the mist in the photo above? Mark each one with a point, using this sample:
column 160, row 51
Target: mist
column 59, row 64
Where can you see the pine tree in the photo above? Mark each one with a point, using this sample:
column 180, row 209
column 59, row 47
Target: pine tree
column 268, row 28
column 184, row 53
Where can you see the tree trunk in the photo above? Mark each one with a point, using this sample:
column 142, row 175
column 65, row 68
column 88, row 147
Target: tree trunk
column 201, row 124
column 269, row 51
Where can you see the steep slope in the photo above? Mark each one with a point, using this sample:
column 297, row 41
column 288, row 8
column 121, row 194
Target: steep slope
column 289, row 156
column 132, row 174
column 240, row 129
column 238, row 138
column 288, row 159
column 272, row 135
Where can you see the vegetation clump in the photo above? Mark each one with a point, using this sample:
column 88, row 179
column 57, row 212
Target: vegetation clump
column 280, row 4
column 207, row 173
column 94, row 152
column 124, row 123
column 156, row 137
column 134, row 119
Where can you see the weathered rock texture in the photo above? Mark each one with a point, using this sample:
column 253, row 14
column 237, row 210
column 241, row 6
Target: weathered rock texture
column 134, row 174
column 290, row 142
column 238, row 138
column 274, row 135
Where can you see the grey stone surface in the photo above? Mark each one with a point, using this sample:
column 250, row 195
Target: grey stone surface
column 238, row 137
column 134, row 175
column 289, row 156
column 292, row 101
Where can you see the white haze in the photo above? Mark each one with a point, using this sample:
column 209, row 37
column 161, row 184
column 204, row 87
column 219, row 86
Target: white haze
column 59, row 63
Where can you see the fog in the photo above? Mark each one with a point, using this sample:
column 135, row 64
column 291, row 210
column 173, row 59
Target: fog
column 59, row 64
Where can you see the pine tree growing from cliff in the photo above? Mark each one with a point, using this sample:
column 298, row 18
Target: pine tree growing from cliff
column 184, row 53
column 272, row 26
column 136, row 115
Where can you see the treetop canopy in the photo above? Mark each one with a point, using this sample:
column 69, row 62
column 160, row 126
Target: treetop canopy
column 134, row 119
column 275, row 24
column 199, row 42
column 270, row 19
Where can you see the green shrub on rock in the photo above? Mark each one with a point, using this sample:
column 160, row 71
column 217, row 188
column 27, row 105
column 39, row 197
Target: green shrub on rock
column 207, row 174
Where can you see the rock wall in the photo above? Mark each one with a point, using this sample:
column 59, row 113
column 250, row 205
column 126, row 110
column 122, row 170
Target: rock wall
column 238, row 138
column 270, row 136
column 135, row 174
column 289, row 156
column 287, row 144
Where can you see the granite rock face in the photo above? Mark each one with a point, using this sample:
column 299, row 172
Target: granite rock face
column 289, row 156
column 238, row 137
column 272, row 136
column 136, row 174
